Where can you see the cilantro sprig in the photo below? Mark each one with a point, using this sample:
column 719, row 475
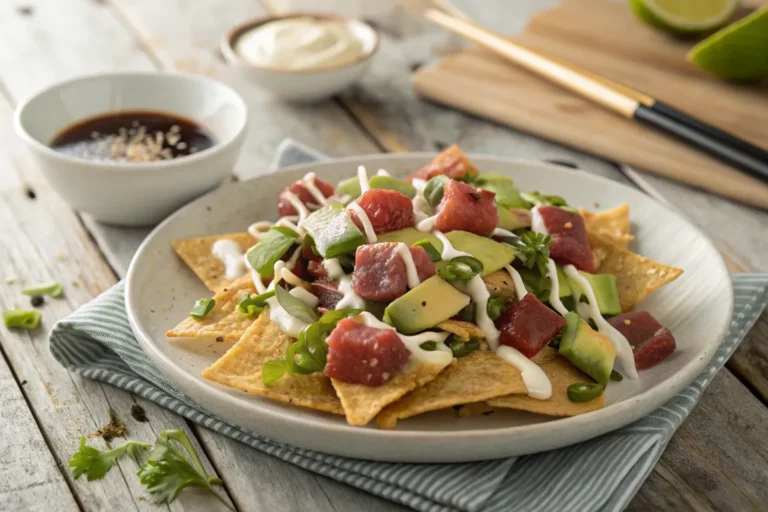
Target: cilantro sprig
column 94, row 463
column 532, row 249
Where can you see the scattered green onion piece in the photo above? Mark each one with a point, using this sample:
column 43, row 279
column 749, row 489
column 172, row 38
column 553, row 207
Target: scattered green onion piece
column 201, row 308
column 21, row 318
column 433, row 192
column 462, row 348
column 429, row 346
column 253, row 304
column 585, row 391
column 496, row 306
column 462, row 268
column 433, row 254
column 468, row 312
column 616, row 376
column 295, row 306
column 332, row 317
column 53, row 289
column 473, row 263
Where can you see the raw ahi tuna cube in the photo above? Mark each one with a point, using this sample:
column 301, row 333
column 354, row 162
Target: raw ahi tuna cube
column 359, row 354
column 327, row 292
column 380, row 272
column 452, row 163
column 529, row 326
column 388, row 210
column 651, row 342
column 284, row 206
column 466, row 208
column 570, row 244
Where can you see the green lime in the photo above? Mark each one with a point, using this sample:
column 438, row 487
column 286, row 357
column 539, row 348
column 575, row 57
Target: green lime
column 737, row 52
column 685, row 16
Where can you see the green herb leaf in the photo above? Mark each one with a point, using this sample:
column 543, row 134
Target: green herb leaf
column 295, row 306
column 462, row 348
column 201, row 308
column 273, row 245
column 541, row 200
column 21, row 318
column 253, row 304
column 433, row 192
column 332, row 317
column 429, row 346
column 532, row 249
column 430, row 249
column 496, row 306
column 95, row 464
column 53, row 289
column 172, row 466
column 271, row 371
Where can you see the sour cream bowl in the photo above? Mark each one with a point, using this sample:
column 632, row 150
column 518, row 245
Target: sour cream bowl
column 296, row 56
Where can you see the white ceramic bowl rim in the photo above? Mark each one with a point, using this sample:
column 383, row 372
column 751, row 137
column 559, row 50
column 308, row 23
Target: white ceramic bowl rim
column 642, row 403
column 179, row 164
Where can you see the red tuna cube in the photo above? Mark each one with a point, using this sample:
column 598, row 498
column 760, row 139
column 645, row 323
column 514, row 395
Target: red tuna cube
column 380, row 273
column 651, row 342
column 359, row 354
column 452, row 163
column 529, row 326
column 388, row 210
column 284, row 206
column 570, row 244
column 327, row 292
column 466, row 208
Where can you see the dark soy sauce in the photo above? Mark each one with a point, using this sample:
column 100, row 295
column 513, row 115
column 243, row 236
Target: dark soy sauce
column 133, row 136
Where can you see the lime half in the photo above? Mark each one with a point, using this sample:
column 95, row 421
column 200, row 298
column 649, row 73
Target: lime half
column 737, row 52
column 685, row 16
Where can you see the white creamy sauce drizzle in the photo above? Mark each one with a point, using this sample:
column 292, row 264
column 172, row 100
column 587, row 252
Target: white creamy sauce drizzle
column 426, row 225
column 620, row 343
column 554, row 288
column 536, row 381
column 410, row 266
column 449, row 252
column 299, row 206
column 537, row 222
column 290, row 325
column 382, row 172
column 477, row 290
column 502, row 232
column 349, row 298
column 230, row 254
column 370, row 234
column 441, row 355
column 309, row 183
column 420, row 205
column 306, row 297
column 520, row 289
column 362, row 175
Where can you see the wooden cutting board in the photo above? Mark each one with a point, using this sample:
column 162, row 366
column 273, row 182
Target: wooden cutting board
column 607, row 39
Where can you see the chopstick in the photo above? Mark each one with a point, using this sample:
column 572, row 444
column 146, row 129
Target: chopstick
column 617, row 97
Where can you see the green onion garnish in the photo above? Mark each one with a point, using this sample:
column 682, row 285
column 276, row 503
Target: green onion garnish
column 462, row 348
column 496, row 306
column 201, row 308
column 53, row 289
column 253, row 304
column 585, row 391
column 462, row 268
column 429, row 249
column 429, row 346
column 21, row 318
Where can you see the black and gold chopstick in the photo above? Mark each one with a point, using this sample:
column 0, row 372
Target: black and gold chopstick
column 614, row 96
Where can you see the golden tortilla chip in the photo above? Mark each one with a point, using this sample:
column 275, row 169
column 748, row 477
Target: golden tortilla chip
column 224, row 322
column 474, row 409
column 500, row 283
column 196, row 253
column 479, row 376
column 240, row 368
column 362, row 403
column 613, row 224
column 636, row 276
column 463, row 330
column 561, row 374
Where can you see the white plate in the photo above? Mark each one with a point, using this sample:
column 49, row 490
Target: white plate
column 697, row 308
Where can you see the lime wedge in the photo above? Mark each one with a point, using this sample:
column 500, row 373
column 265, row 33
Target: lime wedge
column 685, row 16
column 737, row 52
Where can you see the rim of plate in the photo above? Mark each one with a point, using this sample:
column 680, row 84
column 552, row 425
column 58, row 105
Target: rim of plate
column 635, row 406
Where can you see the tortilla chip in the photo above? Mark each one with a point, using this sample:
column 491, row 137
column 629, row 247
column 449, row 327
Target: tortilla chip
column 479, row 376
column 474, row 409
column 613, row 224
column 224, row 322
column 240, row 368
column 636, row 276
column 196, row 253
column 561, row 374
column 500, row 283
column 362, row 403
column 463, row 330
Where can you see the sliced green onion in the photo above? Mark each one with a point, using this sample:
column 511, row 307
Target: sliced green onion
column 496, row 306
column 429, row 346
column 332, row 317
column 295, row 306
column 53, row 289
column 462, row 268
column 201, row 308
column 585, row 391
column 462, row 348
column 253, row 304
column 468, row 312
column 21, row 318
column 433, row 254
column 616, row 376
column 271, row 371
column 433, row 192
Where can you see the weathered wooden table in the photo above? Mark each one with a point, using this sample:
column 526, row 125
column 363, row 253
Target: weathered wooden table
column 718, row 459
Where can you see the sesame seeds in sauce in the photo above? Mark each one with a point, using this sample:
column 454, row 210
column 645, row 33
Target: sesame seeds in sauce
column 133, row 136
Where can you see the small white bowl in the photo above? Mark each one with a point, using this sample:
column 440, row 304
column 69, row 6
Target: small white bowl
column 130, row 193
column 302, row 85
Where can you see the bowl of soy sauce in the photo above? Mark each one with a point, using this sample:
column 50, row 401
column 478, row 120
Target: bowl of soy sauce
column 130, row 148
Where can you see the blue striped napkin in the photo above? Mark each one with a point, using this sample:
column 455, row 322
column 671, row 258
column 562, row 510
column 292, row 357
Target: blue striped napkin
column 96, row 341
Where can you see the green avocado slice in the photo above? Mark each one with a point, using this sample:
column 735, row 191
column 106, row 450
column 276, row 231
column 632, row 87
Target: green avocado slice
column 425, row 306
column 333, row 231
column 606, row 292
column 587, row 350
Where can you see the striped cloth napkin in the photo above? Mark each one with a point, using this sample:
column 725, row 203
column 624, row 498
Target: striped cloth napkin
column 96, row 341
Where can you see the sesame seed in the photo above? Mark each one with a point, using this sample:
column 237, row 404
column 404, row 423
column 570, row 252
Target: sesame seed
column 385, row 375
column 374, row 363
column 627, row 322
column 568, row 225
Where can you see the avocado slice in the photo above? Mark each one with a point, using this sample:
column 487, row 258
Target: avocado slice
column 350, row 187
column 409, row 236
column 606, row 292
column 388, row 182
column 493, row 255
column 333, row 231
column 425, row 306
column 507, row 195
column 587, row 350
column 508, row 220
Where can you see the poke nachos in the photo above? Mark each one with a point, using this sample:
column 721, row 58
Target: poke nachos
column 383, row 298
